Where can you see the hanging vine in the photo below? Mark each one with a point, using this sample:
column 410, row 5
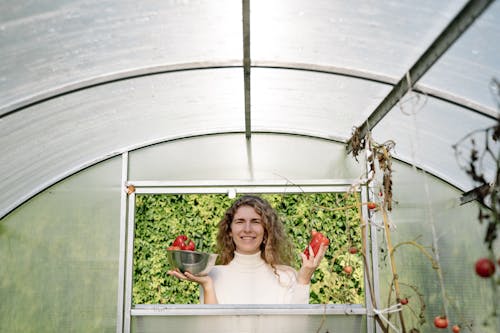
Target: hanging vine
column 478, row 154
column 379, row 177
column 487, row 190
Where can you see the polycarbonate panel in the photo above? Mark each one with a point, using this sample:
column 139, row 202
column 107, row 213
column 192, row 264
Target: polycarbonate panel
column 425, row 130
column 319, row 104
column 231, row 157
column 54, row 139
column 470, row 64
column 254, row 324
column 385, row 37
column 53, row 46
column 427, row 211
column 209, row 157
column 293, row 157
column 59, row 255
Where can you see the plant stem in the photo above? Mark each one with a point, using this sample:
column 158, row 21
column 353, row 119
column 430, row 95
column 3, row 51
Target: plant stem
column 365, row 265
column 435, row 265
column 393, row 263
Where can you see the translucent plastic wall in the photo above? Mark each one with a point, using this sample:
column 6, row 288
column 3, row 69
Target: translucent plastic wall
column 230, row 324
column 60, row 250
column 59, row 256
column 427, row 211
column 231, row 157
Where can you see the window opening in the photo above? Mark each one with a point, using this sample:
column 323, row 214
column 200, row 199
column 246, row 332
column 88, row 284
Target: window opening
column 157, row 213
column 160, row 218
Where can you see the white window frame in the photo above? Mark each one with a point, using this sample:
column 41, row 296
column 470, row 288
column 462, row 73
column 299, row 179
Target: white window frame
column 125, row 310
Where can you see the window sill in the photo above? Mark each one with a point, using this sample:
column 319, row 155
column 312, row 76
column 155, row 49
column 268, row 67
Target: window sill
column 245, row 309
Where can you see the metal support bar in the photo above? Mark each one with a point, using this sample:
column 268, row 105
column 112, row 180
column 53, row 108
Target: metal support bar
column 370, row 248
column 129, row 263
column 475, row 194
column 123, row 237
column 446, row 38
column 246, row 65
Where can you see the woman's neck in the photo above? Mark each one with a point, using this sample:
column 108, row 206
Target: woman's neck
column 248, row 260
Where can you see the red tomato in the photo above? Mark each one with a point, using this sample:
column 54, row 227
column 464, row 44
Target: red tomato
column 455, row 329
column 404, row 301
column 441, row 322
column 189, row 246
column 485, row 267
column 317, row 239
column 371, row 205
column 183, row 243
column 173, row 248
column 348, row 270
column 353, row 250
column 179, row 241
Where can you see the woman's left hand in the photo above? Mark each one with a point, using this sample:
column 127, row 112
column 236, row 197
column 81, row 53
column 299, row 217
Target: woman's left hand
column 309, row 265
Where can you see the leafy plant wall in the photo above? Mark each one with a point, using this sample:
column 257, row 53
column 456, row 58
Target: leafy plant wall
column 160, row 218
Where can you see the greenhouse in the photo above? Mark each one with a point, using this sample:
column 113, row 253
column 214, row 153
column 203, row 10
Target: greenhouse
column 126, row 123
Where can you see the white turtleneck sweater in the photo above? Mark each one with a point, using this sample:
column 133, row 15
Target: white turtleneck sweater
column 248, row 279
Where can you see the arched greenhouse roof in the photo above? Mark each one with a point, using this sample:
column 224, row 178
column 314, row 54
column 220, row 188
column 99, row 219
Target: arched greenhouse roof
column 104, row 100
column 82, row 81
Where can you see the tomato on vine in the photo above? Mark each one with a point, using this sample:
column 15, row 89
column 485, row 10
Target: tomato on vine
column 348, row 270
column 485, row 267
column 441, row 322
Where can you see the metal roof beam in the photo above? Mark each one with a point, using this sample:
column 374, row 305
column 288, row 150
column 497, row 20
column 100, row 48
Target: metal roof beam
column 246, row 65
column 341, row 71
column 383, row 79
column 462, row 21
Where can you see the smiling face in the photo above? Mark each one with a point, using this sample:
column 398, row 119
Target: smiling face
column 247, row 230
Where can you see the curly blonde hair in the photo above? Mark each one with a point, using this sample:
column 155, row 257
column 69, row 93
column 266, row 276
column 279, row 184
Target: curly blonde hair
column 276, row 248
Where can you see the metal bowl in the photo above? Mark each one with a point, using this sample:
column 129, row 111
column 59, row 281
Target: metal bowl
column 197, row 263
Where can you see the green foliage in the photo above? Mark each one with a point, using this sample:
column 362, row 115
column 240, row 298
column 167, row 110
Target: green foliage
column 161, row 218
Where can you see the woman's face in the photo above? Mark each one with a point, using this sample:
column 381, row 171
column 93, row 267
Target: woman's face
column 247, row 230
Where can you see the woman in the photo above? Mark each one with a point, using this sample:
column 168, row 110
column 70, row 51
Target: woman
column 255, row 256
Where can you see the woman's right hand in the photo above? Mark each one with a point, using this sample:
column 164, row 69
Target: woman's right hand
column 205, row 282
